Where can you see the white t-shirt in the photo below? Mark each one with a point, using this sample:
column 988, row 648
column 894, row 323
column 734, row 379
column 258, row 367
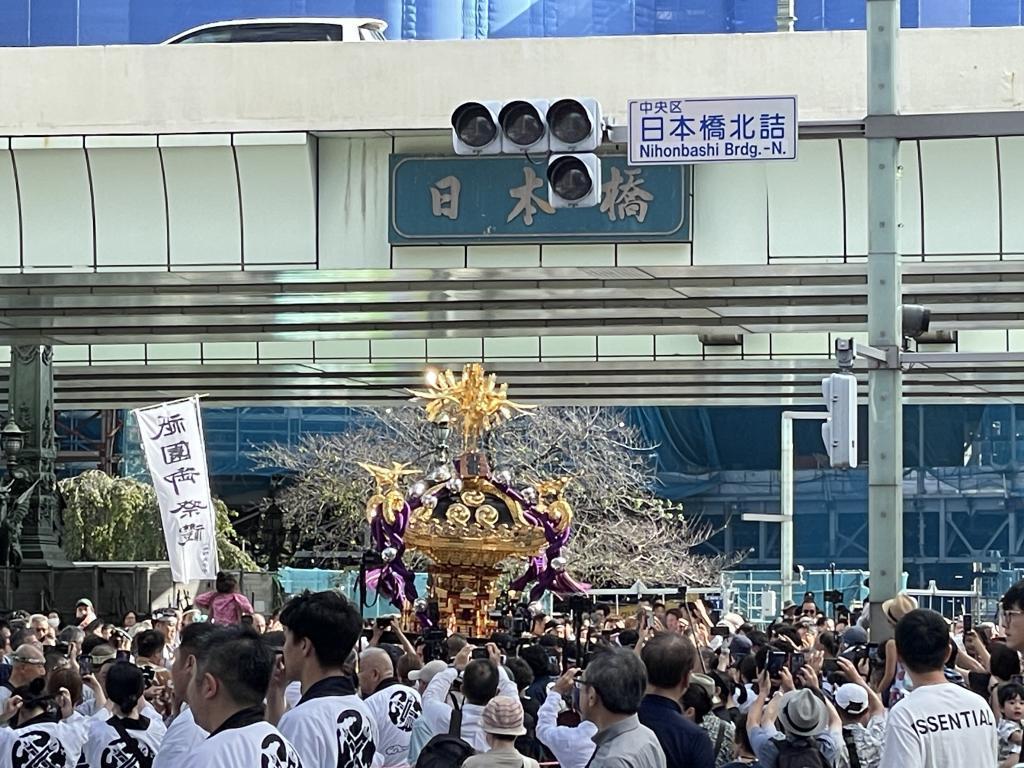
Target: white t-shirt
column 245, row 743
column 395, row 709
column 940, row 726
column 331, row 726
column 292, row 694
column 183, row 736
column 106, row 748
column 41, row 744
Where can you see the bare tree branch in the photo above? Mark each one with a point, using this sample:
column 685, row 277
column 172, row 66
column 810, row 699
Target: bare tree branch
column 623, row 530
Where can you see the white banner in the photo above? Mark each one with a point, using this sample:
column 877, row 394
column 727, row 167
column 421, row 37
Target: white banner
column 172, row 437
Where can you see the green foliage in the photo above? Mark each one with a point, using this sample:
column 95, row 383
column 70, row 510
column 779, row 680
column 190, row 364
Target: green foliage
column 118, row 518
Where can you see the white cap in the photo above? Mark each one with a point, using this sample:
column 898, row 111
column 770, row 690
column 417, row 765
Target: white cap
column 427, row 672
column 733, row 620
column 852, row 699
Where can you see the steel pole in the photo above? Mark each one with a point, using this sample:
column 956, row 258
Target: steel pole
column 786, row 509
column 786, row 498
column 885, row 386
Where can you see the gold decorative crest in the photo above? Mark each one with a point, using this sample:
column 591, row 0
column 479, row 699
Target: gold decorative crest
column 551, row 502
column 388, row 478
column 477, row 400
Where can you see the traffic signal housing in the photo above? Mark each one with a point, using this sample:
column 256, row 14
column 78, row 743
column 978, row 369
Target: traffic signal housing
column 575, row 125
column 574, row 181
column 568, row 130
column 475, row 128
column 839, row 432
column 523, row 126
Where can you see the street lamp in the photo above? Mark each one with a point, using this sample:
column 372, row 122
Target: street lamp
column 12, row 439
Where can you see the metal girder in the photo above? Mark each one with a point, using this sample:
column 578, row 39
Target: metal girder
column 118, row 308
column 662, row 382
column 951, row 125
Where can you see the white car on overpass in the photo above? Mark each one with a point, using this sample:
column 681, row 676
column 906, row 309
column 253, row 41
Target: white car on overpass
column 284, row 30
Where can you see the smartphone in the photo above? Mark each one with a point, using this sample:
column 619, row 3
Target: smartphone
column 873, row 653
column 383, row 622
column 968, row 623
column 796, row 662
column 480, row 653
column 776, row 661
column 720, row 631
column 84, row 666
column 830, row 666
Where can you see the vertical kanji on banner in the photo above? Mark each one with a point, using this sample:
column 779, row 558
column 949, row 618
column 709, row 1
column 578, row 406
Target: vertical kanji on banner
column 172, row 438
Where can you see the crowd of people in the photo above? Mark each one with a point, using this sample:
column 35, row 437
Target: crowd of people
column 314, row 686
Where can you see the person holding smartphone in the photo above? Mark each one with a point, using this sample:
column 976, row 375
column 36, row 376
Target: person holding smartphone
column 863, row 717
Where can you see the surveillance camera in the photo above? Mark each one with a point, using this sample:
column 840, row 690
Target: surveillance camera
column 916, row 320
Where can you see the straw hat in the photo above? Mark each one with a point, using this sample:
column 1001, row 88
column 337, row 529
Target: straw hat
column 503, row 716
column 897, row 607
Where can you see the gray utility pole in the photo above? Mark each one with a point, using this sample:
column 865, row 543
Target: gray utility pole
column 885, row 384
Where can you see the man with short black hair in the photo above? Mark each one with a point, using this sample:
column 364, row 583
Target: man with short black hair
column 1012, row 616
column 669, row 660
column 149, row 648
column 226, row 695
column 611, row 690
column 330, row 726
column 937, row 724
column 183, row 735
column 482, row 680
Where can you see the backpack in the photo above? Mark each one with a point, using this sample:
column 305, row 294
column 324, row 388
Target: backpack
column 448, row 750
column 799, row 753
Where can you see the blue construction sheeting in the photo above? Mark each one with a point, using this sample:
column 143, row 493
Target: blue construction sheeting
column 962, row 484
column 116, row 22
column 297, row 580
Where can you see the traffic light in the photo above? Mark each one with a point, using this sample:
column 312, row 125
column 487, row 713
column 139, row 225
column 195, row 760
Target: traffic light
column 574, row 172
column 568, row 130
column 575, row 125
column 839, row 432
column 574, row 181
column 523, row 126
column 475, row 128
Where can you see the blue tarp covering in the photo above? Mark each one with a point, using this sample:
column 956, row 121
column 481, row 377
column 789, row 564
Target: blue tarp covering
column 113, row 22
column 296, row 580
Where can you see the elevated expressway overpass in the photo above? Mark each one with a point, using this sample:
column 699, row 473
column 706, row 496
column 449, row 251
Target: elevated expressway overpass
column 214, row 219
